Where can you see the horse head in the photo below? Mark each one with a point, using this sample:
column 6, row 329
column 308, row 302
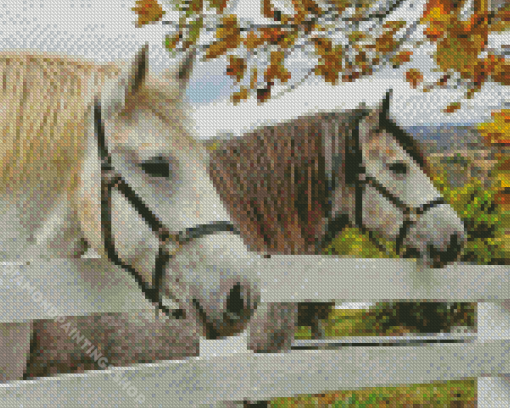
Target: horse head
column 162, row 191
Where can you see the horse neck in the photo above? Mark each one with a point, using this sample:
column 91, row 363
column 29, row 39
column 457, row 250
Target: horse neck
column 41, row 224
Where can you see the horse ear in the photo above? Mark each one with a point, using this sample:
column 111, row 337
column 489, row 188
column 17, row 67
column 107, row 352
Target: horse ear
column 384, row 108
column 182, row 74
column 117, row 92
column 372, row 121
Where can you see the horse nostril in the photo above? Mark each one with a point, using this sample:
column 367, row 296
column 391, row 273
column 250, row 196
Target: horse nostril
column 235, row 302
column 450, row 254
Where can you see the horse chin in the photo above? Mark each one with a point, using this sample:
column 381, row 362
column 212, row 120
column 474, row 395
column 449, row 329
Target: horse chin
column 425, row 261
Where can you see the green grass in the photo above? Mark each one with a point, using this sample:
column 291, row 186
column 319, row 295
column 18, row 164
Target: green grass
column 359, row 322
column 460, row 393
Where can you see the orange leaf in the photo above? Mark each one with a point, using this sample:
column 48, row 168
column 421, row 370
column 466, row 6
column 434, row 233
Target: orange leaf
column 148, row 11
column 401, row 58
column 452, row 107
column 414, row 77
column 237, row 67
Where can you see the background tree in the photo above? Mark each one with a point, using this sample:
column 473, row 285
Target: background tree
column 374, row 40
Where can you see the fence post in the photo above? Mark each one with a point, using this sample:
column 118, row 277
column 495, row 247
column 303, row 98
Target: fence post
column 493, row 322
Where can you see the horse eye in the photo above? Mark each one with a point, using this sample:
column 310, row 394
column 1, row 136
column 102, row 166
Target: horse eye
column 398, row 168
column 156, row 167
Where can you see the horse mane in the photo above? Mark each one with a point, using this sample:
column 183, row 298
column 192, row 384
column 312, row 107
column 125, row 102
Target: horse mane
column 44, row 101
column 275, row 183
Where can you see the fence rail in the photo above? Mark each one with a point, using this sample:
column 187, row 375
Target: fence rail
column 212, row 378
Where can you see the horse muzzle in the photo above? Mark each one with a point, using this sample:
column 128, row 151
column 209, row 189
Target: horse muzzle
column 437, row 238
column 227, row 312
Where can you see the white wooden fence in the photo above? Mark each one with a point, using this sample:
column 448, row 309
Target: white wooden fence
column 215, row 377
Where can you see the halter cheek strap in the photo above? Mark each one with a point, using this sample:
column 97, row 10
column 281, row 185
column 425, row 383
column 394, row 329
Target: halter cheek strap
column 358, row 176
column 110, row 179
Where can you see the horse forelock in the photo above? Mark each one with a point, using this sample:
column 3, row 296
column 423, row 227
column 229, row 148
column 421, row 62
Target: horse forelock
column 410, row 145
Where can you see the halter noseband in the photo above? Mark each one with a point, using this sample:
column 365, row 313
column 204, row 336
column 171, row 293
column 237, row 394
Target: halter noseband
column 360, row 180
column 111, row 179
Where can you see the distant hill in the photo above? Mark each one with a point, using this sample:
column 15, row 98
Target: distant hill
column 443, row 138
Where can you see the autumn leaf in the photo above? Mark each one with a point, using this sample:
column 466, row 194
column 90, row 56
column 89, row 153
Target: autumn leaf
column 217, row 49
column 439, row 10
column 356, row 36
column 219, row 5
column 414, row 77
column 171, row 41
column 253, row 79
column 394, row 26
column 401, row 58
column 272, row 35
column 229, row 37
column 252, row 40
column 236, row 67
column 452, row 107
column 497, row 130
column 501, row 72
column 386, row 43
column 239, row 96
column 148, row 11
column 276, row 68
column 322, row 45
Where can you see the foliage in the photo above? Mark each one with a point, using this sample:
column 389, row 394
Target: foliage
column 498, row 130
column 460, row 54
column 457, row 393
column 482, row 217
column 475, row 205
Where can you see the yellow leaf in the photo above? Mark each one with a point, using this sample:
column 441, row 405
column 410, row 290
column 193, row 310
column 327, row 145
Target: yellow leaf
column 148, row 11
column 239, row 96
column 217, row 49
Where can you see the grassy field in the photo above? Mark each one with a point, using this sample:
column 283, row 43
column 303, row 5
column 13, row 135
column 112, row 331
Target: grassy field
column 448, row 394
column 349, row 322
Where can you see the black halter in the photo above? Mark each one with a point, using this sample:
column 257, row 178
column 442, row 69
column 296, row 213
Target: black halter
column 111, row 179
column 358, row 177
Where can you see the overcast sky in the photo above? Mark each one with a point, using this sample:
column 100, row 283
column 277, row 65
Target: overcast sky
column 104, row 31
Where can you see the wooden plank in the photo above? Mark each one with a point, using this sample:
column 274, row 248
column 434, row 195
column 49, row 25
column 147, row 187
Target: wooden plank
column 261, row 376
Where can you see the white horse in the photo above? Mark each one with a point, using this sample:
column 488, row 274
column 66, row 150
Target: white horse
column 51, row 109
column 51, row 207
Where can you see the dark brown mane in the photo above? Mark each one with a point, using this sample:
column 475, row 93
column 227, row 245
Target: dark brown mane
column 274, row 184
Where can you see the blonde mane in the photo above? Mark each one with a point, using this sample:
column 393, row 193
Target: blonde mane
column 44, row 100
column 44, row 103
